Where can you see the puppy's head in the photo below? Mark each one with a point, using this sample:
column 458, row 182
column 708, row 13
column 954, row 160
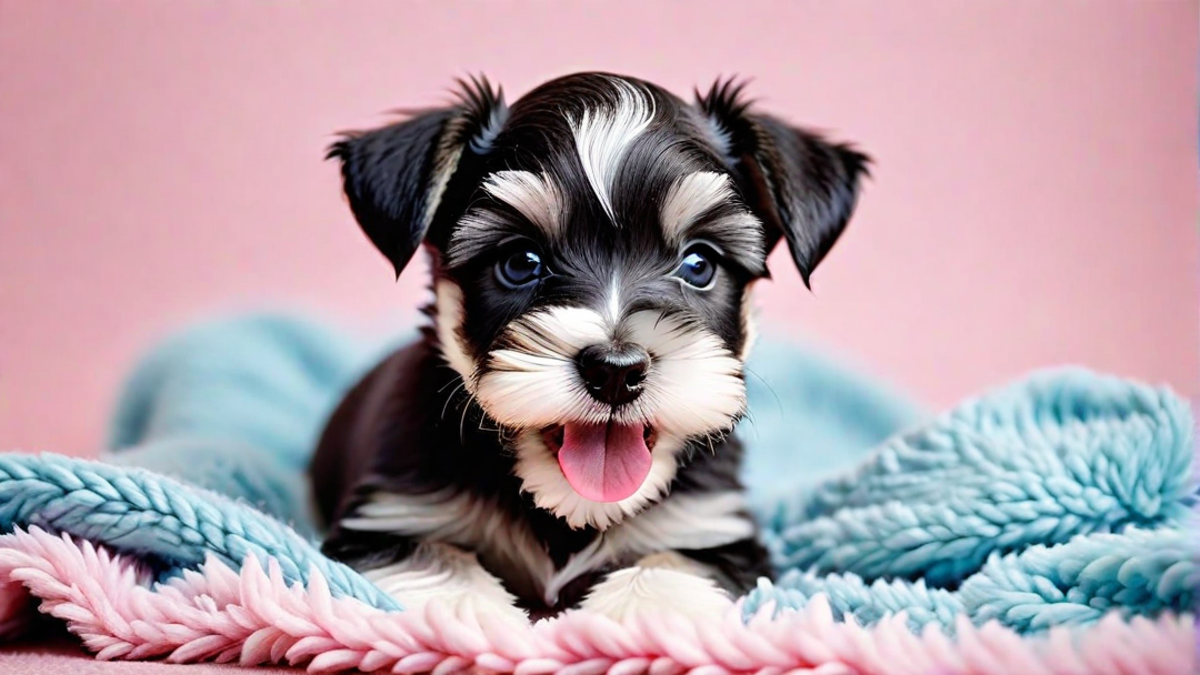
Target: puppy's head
column 593, row 249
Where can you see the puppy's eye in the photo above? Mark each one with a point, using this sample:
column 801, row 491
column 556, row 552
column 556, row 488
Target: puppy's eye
column 520, row 268
column 698, row 268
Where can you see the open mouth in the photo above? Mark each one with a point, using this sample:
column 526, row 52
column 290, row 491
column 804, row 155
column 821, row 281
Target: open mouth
column 553, row 436
column 604, row 462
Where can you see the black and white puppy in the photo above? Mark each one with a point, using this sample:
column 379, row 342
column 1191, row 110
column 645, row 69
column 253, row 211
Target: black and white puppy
column 561, row 433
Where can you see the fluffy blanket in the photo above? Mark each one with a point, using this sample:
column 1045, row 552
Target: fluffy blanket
column 1045, row 527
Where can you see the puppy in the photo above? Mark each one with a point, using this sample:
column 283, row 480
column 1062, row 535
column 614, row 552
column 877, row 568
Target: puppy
column 561, row 432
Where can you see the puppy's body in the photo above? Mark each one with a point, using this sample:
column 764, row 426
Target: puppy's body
column 565, row 422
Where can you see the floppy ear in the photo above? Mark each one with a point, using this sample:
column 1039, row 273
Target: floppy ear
column 800, row 185
column 394, row 177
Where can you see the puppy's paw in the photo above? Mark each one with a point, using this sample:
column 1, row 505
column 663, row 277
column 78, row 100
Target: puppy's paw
column 447, row 576
column 644, row 590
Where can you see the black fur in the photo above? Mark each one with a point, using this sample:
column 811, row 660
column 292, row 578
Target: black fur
column 406, row 428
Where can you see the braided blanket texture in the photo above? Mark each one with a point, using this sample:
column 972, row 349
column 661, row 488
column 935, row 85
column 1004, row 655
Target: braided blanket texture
column 1049, row 526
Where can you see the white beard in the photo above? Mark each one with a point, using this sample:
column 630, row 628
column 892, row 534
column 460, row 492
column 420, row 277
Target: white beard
column 693, row 388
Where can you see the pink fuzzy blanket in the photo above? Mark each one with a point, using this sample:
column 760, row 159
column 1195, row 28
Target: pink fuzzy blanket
column 253, row 617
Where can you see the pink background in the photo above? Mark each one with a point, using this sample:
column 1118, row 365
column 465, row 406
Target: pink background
column 1034, row 201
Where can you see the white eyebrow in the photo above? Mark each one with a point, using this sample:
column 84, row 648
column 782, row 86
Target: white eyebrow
column 690, row 197
column 534, row 196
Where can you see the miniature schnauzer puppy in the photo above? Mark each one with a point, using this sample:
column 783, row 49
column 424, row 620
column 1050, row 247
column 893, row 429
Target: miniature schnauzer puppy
column 560, row 435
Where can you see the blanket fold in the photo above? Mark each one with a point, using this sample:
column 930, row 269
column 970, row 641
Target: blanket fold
column 1004, row 479
column 1064, row 499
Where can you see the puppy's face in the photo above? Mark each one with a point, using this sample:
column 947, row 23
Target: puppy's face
column 594, row 246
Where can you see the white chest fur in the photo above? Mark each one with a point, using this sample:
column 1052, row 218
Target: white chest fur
column 454, row 517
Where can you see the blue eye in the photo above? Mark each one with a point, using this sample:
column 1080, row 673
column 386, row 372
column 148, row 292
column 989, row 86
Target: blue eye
column 520, row 269
column 697, row 269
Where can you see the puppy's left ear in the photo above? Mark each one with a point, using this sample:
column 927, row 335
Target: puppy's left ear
column 395, row 177
column 803, row 187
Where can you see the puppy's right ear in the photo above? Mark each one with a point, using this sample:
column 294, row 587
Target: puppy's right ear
column 394, row 176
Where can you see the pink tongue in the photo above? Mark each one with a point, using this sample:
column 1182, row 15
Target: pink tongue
column 604, row 462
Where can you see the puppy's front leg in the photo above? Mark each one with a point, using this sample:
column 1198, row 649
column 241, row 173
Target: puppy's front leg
column 442, row 573
column 666, row 581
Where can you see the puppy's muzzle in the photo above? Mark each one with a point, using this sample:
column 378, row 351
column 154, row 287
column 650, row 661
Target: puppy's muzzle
column 613, row 374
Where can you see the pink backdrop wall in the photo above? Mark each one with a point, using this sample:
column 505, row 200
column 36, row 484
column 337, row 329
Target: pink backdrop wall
column 1034, row 201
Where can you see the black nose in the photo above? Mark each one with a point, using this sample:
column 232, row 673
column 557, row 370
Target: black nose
column 613, row 375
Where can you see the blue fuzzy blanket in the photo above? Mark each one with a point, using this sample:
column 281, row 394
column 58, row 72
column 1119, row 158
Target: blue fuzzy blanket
column 1049, row 501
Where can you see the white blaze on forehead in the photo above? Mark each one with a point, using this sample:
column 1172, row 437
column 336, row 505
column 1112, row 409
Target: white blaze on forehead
column 602, row 137
column 613, row 301
column 689, row 198
column 534, row 196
